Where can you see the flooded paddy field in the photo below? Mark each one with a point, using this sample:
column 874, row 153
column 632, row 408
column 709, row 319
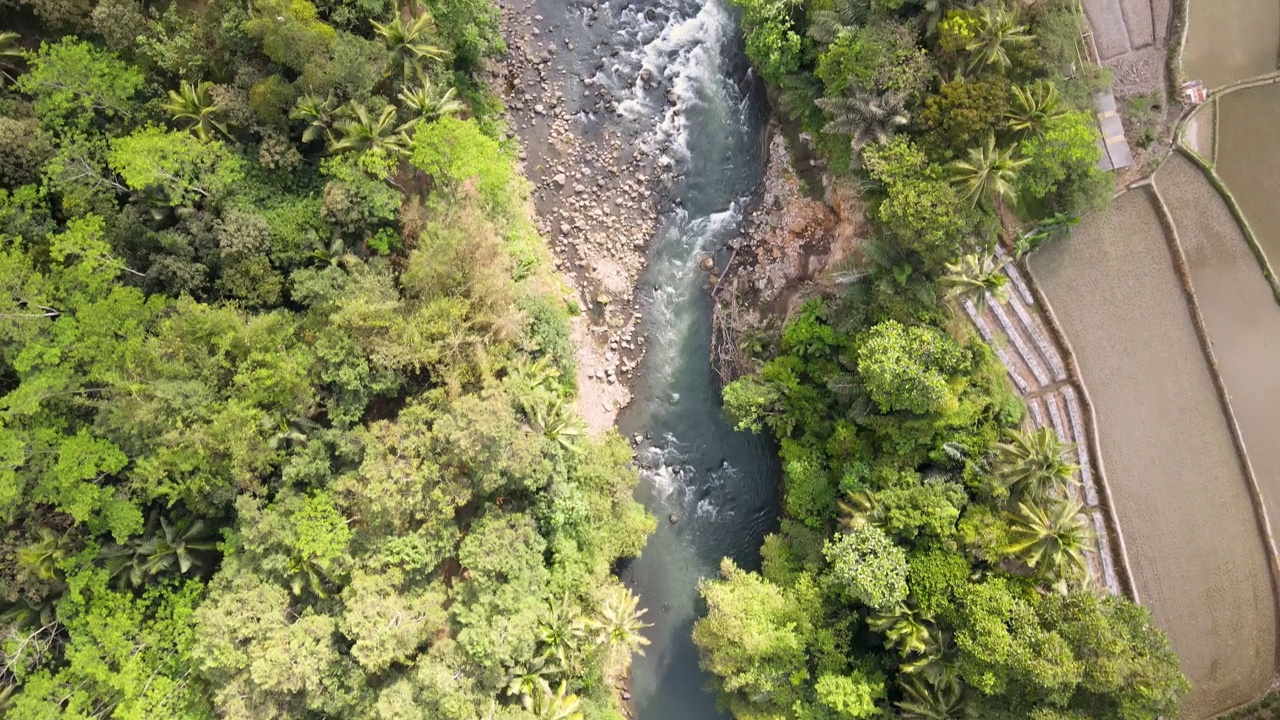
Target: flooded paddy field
column 1177, row 485
column 1199, row 131
column 1239, row 310
column 1249, row 159
column 1231, row 40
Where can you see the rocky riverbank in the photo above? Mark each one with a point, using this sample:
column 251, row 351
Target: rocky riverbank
column 792, row 247
column 597, row 197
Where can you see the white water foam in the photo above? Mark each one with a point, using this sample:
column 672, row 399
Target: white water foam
column 666, row 470
column 684, row 56
column 668, row 325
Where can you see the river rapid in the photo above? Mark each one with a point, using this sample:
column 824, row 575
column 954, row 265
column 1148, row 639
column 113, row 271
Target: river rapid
column 679, row 87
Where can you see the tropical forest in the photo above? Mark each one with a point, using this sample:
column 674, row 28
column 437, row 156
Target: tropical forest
column 365, row 359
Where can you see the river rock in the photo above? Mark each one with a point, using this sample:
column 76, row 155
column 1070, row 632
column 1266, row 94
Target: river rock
column 559, row 179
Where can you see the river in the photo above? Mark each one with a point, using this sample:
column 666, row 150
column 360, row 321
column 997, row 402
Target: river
column 683, row 90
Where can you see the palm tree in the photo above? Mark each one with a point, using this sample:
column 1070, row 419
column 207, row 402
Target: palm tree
column 987, row 174
column 844, row 16
column 619, row 626
column 1034, row 107
column 998, row 28
column 922, row 700
column 865, row 117
column 558, row 704
column 126, row 564
column 1034, row 465
column 10, row 56
column 526, row 681
column 306, row 575
column 903, row 627
column 1052, row 538
column 975, row 275
column 937, row 663
column 40, row 559
column 319, row 115
column 194, row 105
column 361, row 132
column 428, row 102
column 1047, row 229
column 858, row 508
column 561, row 632
column 555, row 419
column 28, row 614
column 186, row 545
column 409, row 42
column 336, row 255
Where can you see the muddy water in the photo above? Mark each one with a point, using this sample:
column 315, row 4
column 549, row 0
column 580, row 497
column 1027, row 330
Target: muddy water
column 1249, row 155
column 1175, row 480
column 1231, row 40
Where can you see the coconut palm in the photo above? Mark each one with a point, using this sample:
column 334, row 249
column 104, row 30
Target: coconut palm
column 923, row 700
column 558, row 704
column 844, row 16
column 10, row 56
column 194, row 105
column 1047, row 229
column 409, row 42
column 318, row 113
column 526, row 681
column 998, row 29
column 1034, row 107
column 618, row 628
column 987, row 173
column 40, row 559
column 428, row 102
column 555, row 419
column 184, row 545
column 865, row 117
column 1034, row 465
column 562, row 632
column 937, row 663
column 904, row 628
column 858, row 508
column 1052, row 538
column 361, row 132
column 973, row 277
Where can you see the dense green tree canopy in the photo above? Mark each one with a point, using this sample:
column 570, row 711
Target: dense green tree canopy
column 941, row 551
column 274, row 436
